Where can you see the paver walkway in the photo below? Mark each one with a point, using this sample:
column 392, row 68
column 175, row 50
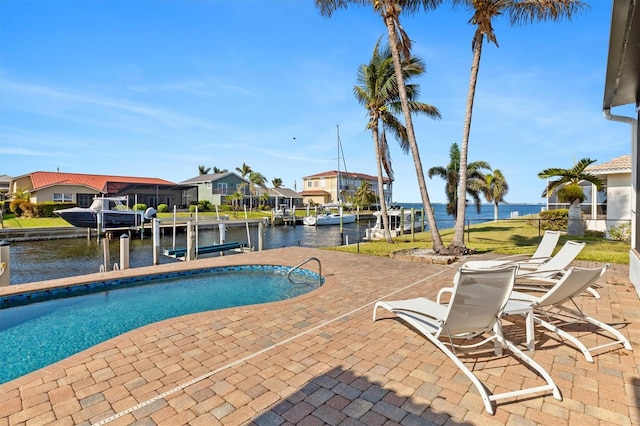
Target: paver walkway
column 320, row 359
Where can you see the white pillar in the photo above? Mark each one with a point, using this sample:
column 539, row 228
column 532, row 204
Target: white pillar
column 124, row 251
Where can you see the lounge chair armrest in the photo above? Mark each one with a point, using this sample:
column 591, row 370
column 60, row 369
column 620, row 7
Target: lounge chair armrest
column 442, row 291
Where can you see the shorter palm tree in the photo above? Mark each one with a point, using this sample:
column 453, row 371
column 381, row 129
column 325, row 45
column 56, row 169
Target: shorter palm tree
column 255, row 180
column 204, row 170
column 276, row 182
column 217, row 170
column 244, row 170
column 496, row 187
column 476, row 180
column 235, row 200
column 364, row 195
column 569, row 190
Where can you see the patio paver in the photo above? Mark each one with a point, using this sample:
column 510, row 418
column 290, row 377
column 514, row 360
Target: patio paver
column 320, row 359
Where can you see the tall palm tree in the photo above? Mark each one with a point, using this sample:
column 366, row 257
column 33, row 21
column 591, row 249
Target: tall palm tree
column 400, row 45
column 451, row 175
column 244, row 170
column 519, row 12
column 496, row 187
column 203, row 170
column 378, row 92
column 569, row 190
column 276, row 182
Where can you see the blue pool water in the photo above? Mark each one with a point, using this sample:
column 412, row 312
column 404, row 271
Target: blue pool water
column 35, row 335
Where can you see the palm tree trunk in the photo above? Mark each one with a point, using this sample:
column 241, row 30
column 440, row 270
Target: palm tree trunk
column 495, row 211
column 438, row 246
column 457, row 245
column 383, row 203
column 575, row 227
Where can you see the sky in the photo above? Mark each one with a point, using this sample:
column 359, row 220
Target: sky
column 157, row 88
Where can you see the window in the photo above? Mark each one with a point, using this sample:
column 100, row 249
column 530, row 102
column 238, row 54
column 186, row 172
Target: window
column 62, row 198
column 222, row 187
column 84, row 200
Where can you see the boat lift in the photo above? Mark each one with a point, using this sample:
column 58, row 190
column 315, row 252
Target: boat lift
column 193, row 249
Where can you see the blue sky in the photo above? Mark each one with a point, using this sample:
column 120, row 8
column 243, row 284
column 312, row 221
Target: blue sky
column 157, row 88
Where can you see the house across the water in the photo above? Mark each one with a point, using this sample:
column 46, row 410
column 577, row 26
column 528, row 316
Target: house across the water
column 83, row 188
column 322, row 188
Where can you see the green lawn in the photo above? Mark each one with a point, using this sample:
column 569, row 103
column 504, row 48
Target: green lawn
column 504, row 237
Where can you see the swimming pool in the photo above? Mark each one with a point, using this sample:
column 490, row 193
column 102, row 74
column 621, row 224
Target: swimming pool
column 43, row 327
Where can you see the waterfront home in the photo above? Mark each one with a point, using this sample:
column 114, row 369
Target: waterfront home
column 322, row 188
column 609, row 207
column 281, row 196
column 217, row 187
column 82, row 188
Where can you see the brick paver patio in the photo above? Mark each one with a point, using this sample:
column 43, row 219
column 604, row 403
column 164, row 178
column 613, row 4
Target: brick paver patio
column 320, row 359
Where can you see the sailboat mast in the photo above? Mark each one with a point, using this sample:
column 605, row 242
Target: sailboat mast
column 338, row 180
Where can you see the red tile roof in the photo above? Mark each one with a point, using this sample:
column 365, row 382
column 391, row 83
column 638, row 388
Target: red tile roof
column 99, row 182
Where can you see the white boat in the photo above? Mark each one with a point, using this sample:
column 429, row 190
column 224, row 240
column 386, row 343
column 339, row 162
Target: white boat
column 328, row 218
column 400, row 222
column 106, row 213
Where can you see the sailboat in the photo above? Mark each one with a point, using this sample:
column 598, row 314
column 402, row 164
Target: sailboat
column 329, row 216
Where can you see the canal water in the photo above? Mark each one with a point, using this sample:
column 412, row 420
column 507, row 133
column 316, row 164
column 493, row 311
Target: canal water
column 44, row 260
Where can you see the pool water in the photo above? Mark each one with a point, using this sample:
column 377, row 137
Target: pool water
column 35, row 335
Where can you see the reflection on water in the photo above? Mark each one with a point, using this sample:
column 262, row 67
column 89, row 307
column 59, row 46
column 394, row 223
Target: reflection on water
column 45, row 260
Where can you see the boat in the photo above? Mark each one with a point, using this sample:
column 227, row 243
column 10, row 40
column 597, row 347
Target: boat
column 329, row 218
column 283, row 215
column 106, row 213
column 400, row 222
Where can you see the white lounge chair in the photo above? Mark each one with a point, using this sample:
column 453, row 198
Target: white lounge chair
column 550, row 310
column 543, row 253
column 545, row 275
column 477, row 300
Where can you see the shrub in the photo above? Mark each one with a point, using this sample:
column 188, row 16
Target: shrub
column 14, row 206
column 620, row 232
column 28, row 209
column 554, row 220
column 46, row 208
column 139, row 207
column 163, row 208
column 192, row 208
column 206, row 205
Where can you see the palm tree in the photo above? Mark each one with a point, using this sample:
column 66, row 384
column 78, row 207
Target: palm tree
column 364, row 195
column 264, row 198
column 276, row 182
column 203, row 170
column 235, row 199
column 255, row 180
column 451, row 174
column 378, row 92
column 244, row 170
column 217, row 170
column 569, row 190
column 496, row 187
column 519, row 12
column 400, row 46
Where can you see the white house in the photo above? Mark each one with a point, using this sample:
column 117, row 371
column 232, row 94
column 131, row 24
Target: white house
column 611, row 205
